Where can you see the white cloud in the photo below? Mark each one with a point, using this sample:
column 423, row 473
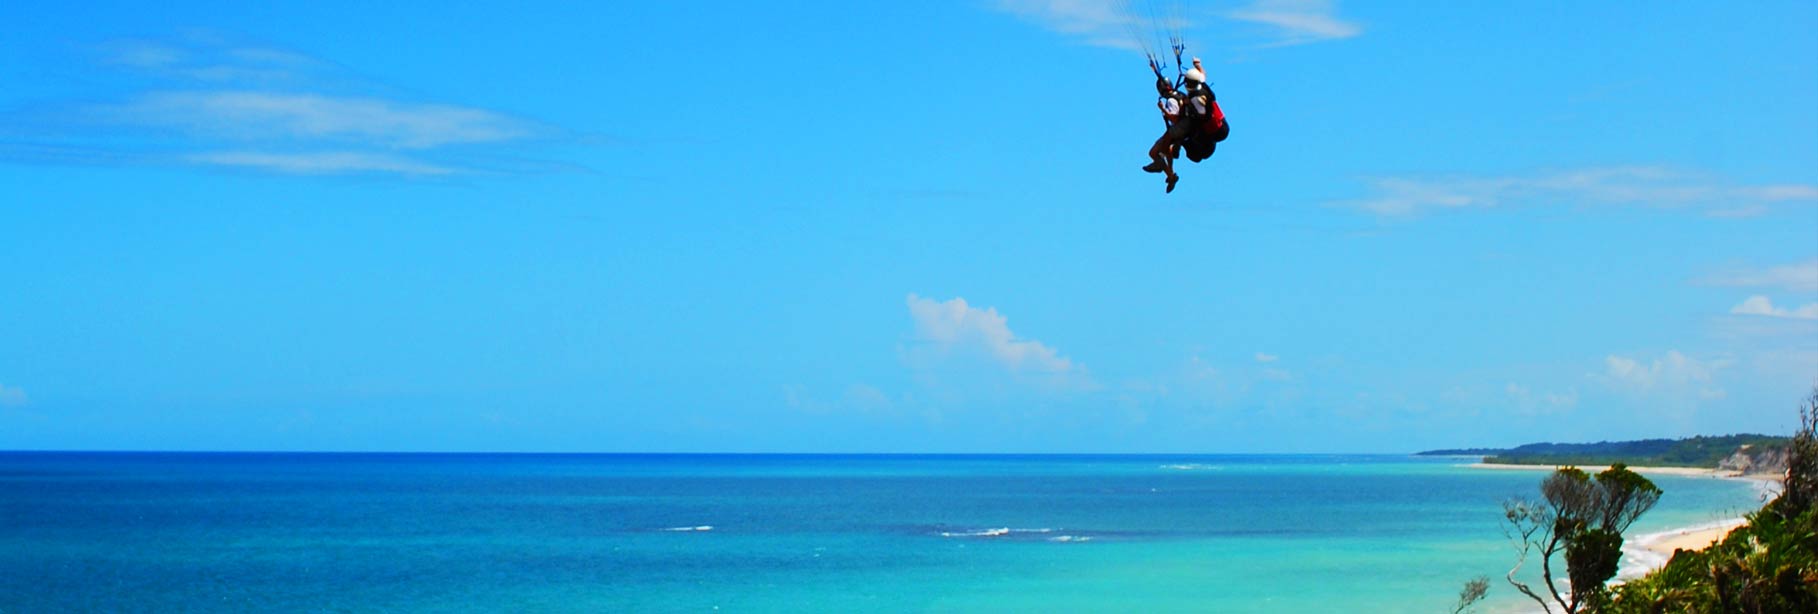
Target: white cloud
column 1097, row 22
column 954, row 325
column 210, row 59
column 1299, row 21
column 253, row 115
column 1756, row 333
column 1261, row 357
column 1759, row 305
column 1134, row 24
column 1778, row 193
column 1673, row 373
column 321, row 163
column 1797, row 277
column 1629, row 185
column 12, row 396
column 215, row 102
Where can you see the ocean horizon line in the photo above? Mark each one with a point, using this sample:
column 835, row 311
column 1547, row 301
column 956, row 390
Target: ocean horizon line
column 1074, row 455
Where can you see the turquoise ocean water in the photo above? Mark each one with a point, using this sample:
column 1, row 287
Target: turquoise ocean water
column 770, row 533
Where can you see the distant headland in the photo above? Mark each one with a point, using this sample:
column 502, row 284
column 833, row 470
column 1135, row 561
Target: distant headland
column 1744, row 453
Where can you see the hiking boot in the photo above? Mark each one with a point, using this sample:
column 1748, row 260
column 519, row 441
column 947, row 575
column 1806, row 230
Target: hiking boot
column 1153, row 167
column 1171, row 180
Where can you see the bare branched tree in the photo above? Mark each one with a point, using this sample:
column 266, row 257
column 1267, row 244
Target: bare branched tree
column 1529, row 524
column 1581, row 518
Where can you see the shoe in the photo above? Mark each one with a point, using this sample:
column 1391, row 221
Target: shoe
column 1153, row 167
column 1171, row 181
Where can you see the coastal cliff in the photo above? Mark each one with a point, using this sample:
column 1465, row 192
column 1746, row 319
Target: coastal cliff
column 1756, row 460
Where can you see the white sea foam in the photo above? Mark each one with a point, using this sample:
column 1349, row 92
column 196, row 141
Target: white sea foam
column 993, row 532
column 705, row 527
column 1766, row 489
column 1192, row 467
column 1070, row 538
column 997, row 532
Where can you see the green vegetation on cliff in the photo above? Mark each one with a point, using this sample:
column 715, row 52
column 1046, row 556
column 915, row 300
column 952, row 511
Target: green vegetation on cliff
column 1767, row 565
column 1705, row 452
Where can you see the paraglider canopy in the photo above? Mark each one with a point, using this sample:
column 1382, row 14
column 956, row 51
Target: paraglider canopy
column 1154, row 27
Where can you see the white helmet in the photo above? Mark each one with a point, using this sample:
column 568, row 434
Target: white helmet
column 1195, row 75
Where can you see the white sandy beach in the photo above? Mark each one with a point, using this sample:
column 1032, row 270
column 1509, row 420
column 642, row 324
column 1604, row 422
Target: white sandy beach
column 1691, row 471
column 1645, row 553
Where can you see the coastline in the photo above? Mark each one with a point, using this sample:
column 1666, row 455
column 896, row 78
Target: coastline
column 1645, row 553
column 1689, row 471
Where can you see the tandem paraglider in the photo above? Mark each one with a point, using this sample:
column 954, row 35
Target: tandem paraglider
column 1192, row 120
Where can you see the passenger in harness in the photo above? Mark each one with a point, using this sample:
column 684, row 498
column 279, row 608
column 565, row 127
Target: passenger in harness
column 1210, row 123
column 1166, row 148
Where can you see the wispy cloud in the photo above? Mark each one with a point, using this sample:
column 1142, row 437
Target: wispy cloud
column 267, row 116
column 12, row 396
column 324, row 163
column 264, row 109
column 1796, row 277
column 210, row 58
column 1672, row 373
column 953, row 325
column 1298, row 22
column 1132, row 24
column 1759, row 305
column 1096, row 22
column 1628, row 185
column 1261, row 357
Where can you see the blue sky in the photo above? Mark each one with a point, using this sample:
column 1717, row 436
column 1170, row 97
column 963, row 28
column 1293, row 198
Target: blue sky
column 901, row 227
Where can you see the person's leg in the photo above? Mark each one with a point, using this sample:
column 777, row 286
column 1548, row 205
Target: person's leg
column 1176, row 133
column 1158, row 152
column 1168, row 165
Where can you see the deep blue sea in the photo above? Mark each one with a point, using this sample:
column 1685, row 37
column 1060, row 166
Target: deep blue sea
column 135, row 532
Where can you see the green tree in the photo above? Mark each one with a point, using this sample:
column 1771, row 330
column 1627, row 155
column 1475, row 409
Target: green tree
column 1767, row 566
column 1801, row 484
column 1580, row 518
